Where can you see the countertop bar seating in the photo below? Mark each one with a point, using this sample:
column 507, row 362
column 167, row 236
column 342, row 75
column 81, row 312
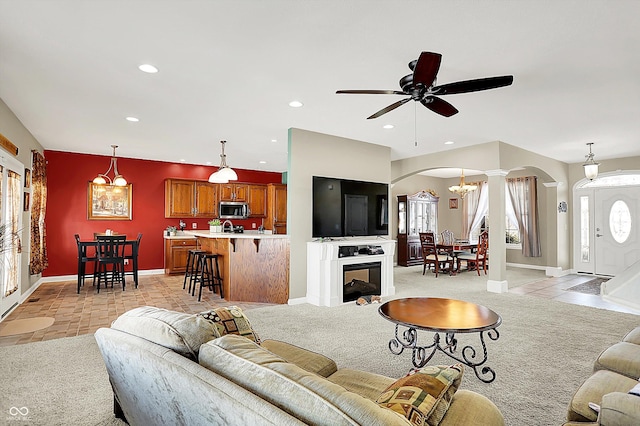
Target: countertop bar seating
column 254, row 267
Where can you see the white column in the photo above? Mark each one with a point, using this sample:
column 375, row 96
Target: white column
column 497, row 282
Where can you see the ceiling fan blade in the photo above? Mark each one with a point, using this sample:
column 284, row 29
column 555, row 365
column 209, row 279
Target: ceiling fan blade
column 371, row 92
column 389, row 108
column 426, row 68
column 473, row 85
column 439, row 106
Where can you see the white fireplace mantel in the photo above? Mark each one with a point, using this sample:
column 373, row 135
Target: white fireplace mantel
column 324, row 268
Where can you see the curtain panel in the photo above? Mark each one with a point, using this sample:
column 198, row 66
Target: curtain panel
column 38, row 261
column 524, row 199
column 475, row 206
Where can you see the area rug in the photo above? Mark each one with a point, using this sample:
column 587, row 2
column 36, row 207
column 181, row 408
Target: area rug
column 28, row 325
column 590, row 287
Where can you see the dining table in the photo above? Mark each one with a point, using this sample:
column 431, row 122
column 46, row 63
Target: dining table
column 454, row 249
column 87, row 252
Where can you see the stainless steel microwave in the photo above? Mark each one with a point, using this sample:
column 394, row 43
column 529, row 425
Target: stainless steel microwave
column 233, row 210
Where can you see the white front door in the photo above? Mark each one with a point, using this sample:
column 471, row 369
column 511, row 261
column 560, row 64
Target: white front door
column 616, row 236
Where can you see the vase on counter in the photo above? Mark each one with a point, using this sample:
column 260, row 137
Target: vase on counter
column 215, row 229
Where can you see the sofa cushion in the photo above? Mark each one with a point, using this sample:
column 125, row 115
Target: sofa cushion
column 310, row 361
column 305, row 395
column 593, row 389
column 623, row 358
column 423, row 396
column 230, row 320
column 364, row 383
column 180, row 332
column 633, row 336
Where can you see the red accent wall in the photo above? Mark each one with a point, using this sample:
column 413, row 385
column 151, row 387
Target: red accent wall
column 68, row 176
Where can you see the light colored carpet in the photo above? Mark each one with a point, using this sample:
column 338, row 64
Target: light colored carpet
column 28, row 325
column 545, row 351
column 59, row 382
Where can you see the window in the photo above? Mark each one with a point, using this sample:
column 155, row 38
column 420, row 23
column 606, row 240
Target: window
column 512, row 232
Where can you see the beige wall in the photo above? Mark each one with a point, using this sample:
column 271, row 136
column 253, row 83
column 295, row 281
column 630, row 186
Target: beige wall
column 317, row 154
column 12, row 129
column 490, row 156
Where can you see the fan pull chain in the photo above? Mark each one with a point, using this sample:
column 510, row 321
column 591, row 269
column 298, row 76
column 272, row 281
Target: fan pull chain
column 415, row 123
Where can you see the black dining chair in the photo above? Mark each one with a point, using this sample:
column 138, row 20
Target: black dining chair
column 132, row 255
column 83, row 258
column 110, row 252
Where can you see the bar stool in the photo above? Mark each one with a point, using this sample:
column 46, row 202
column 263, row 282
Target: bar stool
column 192, row 267
column 209, row 274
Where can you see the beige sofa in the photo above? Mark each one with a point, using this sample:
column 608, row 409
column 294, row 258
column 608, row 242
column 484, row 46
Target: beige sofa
column 170, row 368
column 615, row 373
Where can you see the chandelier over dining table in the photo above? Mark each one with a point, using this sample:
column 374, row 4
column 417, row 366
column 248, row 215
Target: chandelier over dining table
column 463, row 188
column 118, row 179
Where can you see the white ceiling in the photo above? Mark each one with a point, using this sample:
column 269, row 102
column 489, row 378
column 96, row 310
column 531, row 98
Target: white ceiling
column 228, row 69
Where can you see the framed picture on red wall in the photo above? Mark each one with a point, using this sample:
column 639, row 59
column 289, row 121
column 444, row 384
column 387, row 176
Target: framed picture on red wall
column 109, row 202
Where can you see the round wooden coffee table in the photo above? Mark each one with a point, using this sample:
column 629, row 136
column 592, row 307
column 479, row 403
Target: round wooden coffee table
column 447, row 316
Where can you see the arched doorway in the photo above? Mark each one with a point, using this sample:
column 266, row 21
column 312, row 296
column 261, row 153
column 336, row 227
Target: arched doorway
column 606, row 218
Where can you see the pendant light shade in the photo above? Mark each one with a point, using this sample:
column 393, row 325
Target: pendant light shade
column 590, row 166
column 463, row 188
column 224, row 173
column 118, row 179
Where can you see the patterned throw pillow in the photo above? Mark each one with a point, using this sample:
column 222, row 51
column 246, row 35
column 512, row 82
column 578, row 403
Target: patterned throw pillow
column 231, row 320
column 423, row 396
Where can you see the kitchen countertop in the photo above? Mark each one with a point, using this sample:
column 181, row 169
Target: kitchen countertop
column 246, row 234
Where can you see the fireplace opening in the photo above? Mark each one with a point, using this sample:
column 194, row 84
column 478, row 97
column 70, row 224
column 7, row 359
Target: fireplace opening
column 361, row 279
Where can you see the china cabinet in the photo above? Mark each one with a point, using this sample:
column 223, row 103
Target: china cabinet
column 416, row 213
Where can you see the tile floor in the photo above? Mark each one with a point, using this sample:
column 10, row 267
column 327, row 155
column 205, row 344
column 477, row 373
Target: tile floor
column 84, row 313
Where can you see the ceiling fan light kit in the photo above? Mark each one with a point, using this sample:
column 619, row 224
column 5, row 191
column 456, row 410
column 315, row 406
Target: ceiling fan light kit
column 421, row 87
column 225, row 173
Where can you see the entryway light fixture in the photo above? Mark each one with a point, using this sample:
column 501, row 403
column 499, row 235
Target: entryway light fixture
column 224, row 173
column 463, row 188
column 590, row 166
column 118, row 179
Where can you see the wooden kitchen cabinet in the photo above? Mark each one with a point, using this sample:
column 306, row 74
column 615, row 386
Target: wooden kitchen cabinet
column 233, row 191
column 188, row 198
column 176, row 251
column 276, row 208
column 257, row 200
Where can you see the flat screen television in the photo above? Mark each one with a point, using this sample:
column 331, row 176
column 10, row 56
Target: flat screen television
column 346, row 208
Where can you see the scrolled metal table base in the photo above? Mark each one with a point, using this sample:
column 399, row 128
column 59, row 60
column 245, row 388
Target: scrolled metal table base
column 408, row 339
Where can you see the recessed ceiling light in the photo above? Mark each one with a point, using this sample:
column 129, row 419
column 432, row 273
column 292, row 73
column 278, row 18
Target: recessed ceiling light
column 388, row 126
column 263, row 162
column 132, row 119
column 274, row 140
column 449, row 142
column 182, row 160
column 148, row 68
column 295, row 104
column 208, row 163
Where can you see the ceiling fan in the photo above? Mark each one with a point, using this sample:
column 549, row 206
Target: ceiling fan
column 421, row 87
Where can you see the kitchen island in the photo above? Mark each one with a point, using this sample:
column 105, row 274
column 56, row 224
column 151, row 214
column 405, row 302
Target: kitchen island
column 254, row 267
